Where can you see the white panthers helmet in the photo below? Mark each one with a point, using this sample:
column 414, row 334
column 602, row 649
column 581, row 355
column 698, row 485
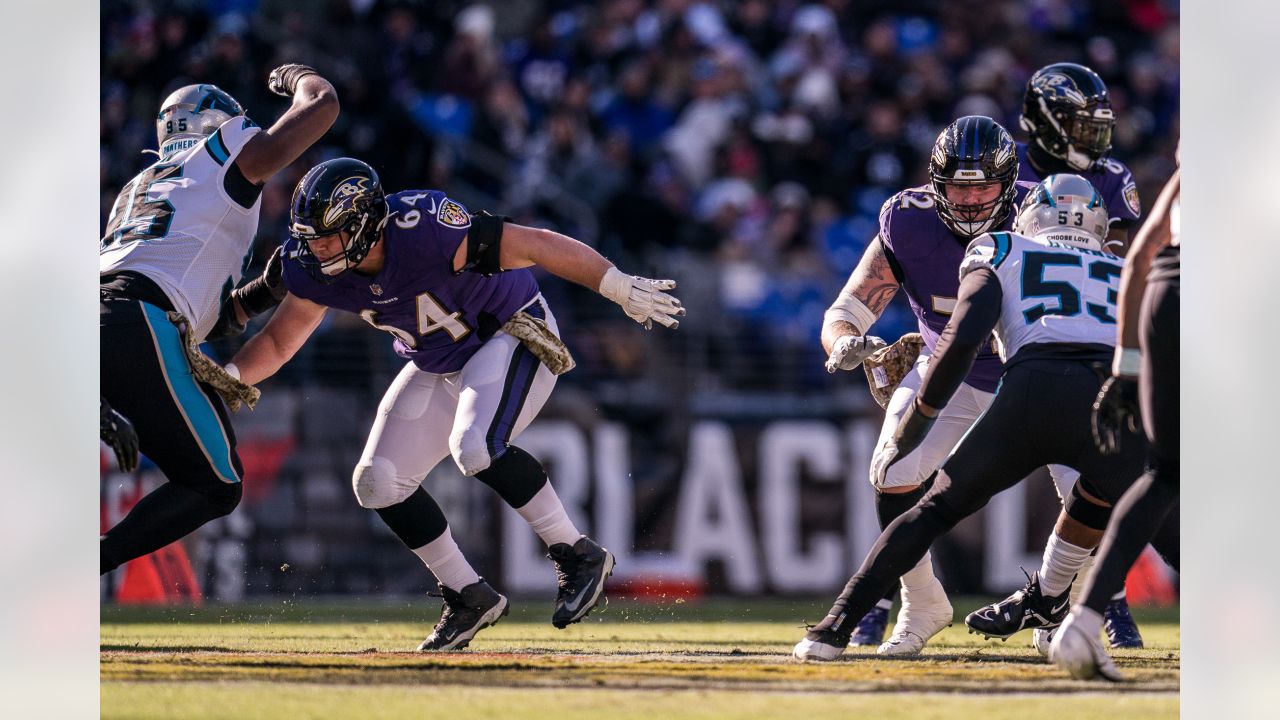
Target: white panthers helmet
column 190, row 113
column 1065, row 208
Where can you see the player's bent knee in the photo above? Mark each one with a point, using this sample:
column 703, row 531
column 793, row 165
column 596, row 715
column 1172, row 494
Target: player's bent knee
column 223, row 497
column 377, row 485
column 470, row 451
column 1084, row 511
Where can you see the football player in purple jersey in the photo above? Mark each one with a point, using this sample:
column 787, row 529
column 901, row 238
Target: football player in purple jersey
column 483, row 352
column 1067, row 114
column 921, row 241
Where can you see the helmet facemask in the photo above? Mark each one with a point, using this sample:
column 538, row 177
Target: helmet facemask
column 973, row 151
column 341, row 197
column 972, row 219
column 362, row 234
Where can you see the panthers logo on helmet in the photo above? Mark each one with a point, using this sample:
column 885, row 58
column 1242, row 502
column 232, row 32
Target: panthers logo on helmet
column 453, row 215
column 344, row 197
column 1062, row 86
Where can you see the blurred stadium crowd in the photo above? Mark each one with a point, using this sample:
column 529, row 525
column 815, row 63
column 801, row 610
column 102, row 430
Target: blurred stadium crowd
column 744, row 148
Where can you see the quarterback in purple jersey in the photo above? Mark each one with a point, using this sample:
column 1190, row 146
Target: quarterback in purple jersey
column 1067, row 114
column 922, row 238
column 455, row 292
column 1066, row 111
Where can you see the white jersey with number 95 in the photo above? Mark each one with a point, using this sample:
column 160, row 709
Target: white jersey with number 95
column 1052, row 292
column 187, row 226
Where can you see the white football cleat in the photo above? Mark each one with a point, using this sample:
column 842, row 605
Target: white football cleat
column 1080, row 652
column 808, row 649
column 925, row 612
column 824, row 641
column 1042, row 638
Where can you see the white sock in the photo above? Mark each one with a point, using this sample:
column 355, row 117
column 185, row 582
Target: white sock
column 1082, row 579
column 546, row 515
column 446, row 562
column 921, row 575
column 1062, row 561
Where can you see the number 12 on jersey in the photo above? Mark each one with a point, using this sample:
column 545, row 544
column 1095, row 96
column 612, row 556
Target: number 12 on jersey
column 1034, row 285
column 432, row 317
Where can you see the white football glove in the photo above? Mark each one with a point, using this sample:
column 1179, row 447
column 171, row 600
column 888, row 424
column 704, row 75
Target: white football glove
column 850, row 350
column 884, row 456
column 642, row 299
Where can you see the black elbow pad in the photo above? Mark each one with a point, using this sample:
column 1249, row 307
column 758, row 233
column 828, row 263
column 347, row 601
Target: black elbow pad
column 484, row 241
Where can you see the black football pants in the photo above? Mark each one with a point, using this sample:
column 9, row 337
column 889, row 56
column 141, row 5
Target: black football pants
column 1150, row 506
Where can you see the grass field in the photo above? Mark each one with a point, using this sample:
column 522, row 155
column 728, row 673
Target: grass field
column 671, row 661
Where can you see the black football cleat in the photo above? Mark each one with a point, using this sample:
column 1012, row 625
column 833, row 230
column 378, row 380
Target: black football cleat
column 580, row 573
column 1026, row 609
column 465, row 613
column 1122, row 631
column 870, row 629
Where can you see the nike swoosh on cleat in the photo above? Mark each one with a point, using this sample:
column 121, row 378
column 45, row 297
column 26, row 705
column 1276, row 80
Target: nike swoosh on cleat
column 1059, row 608
column 576, row 603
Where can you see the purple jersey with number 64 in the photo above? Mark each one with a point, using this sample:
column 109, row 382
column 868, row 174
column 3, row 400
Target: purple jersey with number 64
column 926, row 257
column 439, row 318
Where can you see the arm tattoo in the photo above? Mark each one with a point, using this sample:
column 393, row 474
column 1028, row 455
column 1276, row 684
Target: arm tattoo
column 873, row 282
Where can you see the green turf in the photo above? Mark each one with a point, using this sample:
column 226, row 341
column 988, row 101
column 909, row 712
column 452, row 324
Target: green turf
column 722, row 658
column 268, row 701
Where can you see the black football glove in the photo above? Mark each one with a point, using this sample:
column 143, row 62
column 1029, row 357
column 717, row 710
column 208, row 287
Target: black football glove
column 255, row 297
column 1115, row 412
column 284, row 79
column 118, row 432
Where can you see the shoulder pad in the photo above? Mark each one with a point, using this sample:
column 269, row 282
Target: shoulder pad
column 986, row 251
column 1113, row 166
column 917, row 198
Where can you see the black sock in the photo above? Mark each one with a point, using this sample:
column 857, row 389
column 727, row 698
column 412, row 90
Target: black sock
column 888, row 507
column 168, row 513
column 416, row 520
column 1135, row 521
column 516, row 476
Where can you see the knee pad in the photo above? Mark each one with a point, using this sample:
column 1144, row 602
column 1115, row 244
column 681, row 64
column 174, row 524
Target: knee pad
column 516, row 476
column 1064, row 478
column 377, row 485
column 947, row 502
column 1085, row 512
column 470, row 450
